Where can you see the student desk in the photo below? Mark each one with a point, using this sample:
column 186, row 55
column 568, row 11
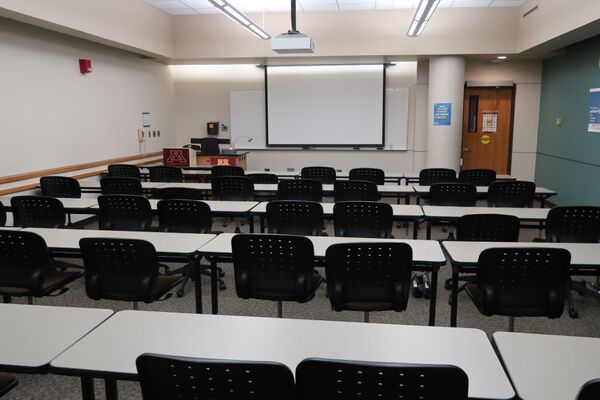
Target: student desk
column 170, row 246
column 453, row 214
column 402, row 212
column 93, row 186
column 413, row 177
column 585, row 260
column 110, row 351
column 32, row 336
column 427, row 256
column 541, row 193
column 547, row 367
column 72, row 206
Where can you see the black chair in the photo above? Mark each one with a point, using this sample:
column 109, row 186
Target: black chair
column 511, row 194
column 292, row 217
column 2, row 215
column 232, row 188
column 38, row 212
column 124, row 171
column 300, row 189
column 521, row 282
column 355, row 191
column 178, row 193
column 349, row 380
column 226, row 170
column 121, row 185
column 165, row 174
column 124, row 269
column 368, row 276
column 169, row 377
column 429, row 176
column 453, row 194
column 184, row 216
column 478, row 177
column 26, row 267
column 375, row 175
column 363, row 219
column 60, row 186
column 590, row 390
column 274, row 267
column 264, row 178
column 7, row 383
column 325, row 175
column 125, row 213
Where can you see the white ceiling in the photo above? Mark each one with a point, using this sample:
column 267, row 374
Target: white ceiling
column 183, row 7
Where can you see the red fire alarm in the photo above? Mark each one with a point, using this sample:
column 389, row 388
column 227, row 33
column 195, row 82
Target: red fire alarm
column 85, row 66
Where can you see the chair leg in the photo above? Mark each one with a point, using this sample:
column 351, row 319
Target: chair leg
column 7, row 299
column 511, row 324
column 366, row 317
column 29, row 300
column 136, row 306
column 279, row 309
column 572, row 311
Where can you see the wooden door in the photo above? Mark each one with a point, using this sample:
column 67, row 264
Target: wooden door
column 487, row 128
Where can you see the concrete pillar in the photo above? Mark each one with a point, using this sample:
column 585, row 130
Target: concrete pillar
column 446, row 86
column 421, row 117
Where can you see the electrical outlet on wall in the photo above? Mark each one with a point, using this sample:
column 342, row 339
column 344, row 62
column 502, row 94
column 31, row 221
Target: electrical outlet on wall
column 558, row 121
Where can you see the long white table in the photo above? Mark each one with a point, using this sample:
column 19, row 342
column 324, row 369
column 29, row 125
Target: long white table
column 413, row 177
column 546, row 367
column 585, row 260
column 427, row 254
column 541, row 193
column 72, row 206
column 90, row 185
column 110, row 350
column 32, row 336
column 170, row 246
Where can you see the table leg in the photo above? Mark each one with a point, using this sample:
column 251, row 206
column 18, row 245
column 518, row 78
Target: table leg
column 428, row 230
column 197, row 283
column 87, row 388
column 214, row 289
column 433, row 298
column 454, row 298
column 251, row 222
column 112, row 392
column 262, row 224
column 416, row 223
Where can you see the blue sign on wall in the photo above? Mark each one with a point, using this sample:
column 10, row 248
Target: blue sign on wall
column 594, row 123
column 442, row 114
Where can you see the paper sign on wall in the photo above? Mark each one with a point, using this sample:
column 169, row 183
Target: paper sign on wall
column 489, row 121
column 594, row 121
column 442, row 114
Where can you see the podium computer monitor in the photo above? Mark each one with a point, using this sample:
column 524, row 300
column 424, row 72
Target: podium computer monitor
column 209, row 146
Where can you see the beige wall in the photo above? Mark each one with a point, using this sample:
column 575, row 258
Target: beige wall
column 53, row 116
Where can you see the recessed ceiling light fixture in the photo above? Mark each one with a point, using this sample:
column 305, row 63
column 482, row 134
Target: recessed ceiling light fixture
column 240, row 18
column 502, row 57
column 422, row 15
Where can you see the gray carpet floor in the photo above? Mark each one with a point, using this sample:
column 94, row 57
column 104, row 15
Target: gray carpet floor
column 38, row 387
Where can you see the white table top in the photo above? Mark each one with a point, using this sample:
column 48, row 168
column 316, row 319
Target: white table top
column 582, row 254
column 400, row 210
column 221, row 206
column 67, row 202
column 546, row 367
column 539, row 190
column 531, row 214
column 272, row 187
column 500, row 177
column 95, row 184
column 287, row 341
column 34, row 335
column 164, row 242
column 424, row 251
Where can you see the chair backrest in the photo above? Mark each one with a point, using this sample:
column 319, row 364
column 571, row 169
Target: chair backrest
column 325, row 175
column 273, row 267
column 355, row 191
column 511, row 194
column 24, row 261
column 121, row 185
column 294, row 217
column 60, row 186
column 590, row 390
column 488, row 228
column 2, row 215
column 119, row 269
column 125, row 213
column 363, row 219
column 232, row 188
column 185, row 216
column 573, row 224
column 344, row 380
column 375, row 175
column 453, row 194
column 178, row 193
column 38, row 212
column 209, row 145
column 368, row 276
column 429, row 176
column 523, row 281
column 124, row 171
column 163, row 173
column 263, row 178
column 300, row 189
column 478, row 177
column 169, row 377
column 226, row 170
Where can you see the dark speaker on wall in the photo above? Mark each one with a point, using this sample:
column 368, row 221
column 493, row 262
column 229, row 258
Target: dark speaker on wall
column 212, row 128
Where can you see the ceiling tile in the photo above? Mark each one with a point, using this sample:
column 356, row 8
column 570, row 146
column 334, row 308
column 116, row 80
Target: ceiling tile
column 471, row 3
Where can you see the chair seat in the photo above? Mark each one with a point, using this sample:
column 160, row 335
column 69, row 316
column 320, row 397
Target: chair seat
column 54, row 281
column 368, row 306
column 287, row 295
column 7, row 383
column 510, row 308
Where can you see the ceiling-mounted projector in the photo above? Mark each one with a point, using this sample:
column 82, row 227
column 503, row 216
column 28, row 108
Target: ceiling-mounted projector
column 292, row 41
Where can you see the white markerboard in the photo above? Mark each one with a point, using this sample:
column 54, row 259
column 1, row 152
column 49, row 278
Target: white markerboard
column 247, row 113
